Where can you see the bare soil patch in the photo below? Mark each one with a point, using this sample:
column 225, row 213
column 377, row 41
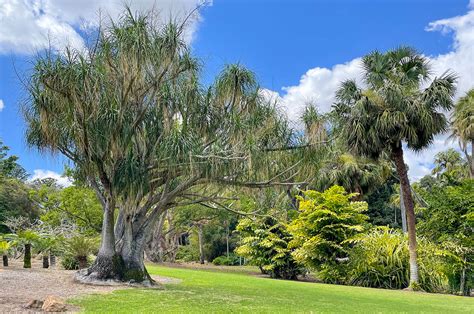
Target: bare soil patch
column 18, row 286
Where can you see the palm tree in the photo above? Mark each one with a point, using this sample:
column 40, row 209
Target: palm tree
column 393, row 109
column 463, row 126
column 449, row 166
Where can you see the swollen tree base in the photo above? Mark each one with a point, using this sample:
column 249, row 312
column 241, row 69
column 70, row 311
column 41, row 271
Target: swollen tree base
column 111, row 271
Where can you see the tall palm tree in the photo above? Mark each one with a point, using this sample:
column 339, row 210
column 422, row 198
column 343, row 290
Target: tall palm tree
column 393, row 109
column 463, row 126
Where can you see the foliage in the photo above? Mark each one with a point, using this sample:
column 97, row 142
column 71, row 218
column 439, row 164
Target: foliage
column 449, row 167
column 224, row 260
column 449, row 220
column 4, row 247
column 15, row 201
column 73, row 205
column 265, row 242
column 81, row 245
column 462, row 121
column 188, row 253
column 380, row 260
column 9, row 168
column 326, row 221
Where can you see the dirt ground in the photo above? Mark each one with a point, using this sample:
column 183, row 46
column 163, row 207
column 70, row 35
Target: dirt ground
column 18, row 286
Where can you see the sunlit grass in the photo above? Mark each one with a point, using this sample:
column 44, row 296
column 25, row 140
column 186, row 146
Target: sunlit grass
column 204, row 291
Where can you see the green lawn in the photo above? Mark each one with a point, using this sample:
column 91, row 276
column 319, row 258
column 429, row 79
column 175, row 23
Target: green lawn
column 203, row 291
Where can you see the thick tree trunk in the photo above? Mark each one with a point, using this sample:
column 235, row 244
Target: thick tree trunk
column 27, row 257
column 45, row 261
column 397, row 155
column 52, row 260
column 108, row 264
column 131, row 248
column 154, row 245
column 5, row 260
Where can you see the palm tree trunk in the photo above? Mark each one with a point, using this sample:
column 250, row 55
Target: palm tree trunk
column 403, row 212
column 45, row 261
column 5, row 260
column 397, row 155
column 472, row 159
column 52, row 260
column 27, row 257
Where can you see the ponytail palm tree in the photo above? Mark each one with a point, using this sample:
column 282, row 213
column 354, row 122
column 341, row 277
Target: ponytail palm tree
column 393, row 109
column 133, row 117
column 463, row 126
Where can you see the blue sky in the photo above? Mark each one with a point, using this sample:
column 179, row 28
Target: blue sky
column 300, row 50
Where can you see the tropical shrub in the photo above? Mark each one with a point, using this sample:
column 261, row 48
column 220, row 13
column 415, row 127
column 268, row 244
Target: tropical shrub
column 4, row 248
column 325, row 222
column 187, row 253
column 79, row 247
column 265, row 243
column 380, row 260
column 224, row 260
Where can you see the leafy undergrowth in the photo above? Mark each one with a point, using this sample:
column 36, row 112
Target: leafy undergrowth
column 203, row 291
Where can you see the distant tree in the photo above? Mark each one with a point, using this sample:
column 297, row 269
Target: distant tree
column 393, row 109
column 9, row 166
column 463, row 126
column 450, row 167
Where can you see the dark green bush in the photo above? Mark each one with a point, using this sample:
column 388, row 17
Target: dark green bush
column 231, row 260
column 187, row 253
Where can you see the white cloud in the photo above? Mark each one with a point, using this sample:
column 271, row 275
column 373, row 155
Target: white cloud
column 318, row 85
column 2, row 105
column 31, row 25
column 44, row 174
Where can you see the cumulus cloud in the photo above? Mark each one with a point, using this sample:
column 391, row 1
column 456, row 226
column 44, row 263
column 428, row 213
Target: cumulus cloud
column 318, row 85
column 32, row 25
column 2, row 105
column 45, row 174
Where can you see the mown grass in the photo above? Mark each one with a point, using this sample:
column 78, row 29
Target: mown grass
column 203, row 291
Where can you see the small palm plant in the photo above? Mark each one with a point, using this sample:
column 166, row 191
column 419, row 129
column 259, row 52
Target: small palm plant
column 80, row 247
column 4, row 248
column 26, row 239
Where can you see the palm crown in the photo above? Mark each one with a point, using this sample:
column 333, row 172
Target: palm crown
column 394, row 108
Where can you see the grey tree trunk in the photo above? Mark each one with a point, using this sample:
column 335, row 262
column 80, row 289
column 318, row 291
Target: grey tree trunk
column 397, row 155
column 403, row 211
column 107, row 265
column 201, row 246
column 131, row 247
column 472, row 159
column 52, row 260
column 154, row 249
column 227, row 239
